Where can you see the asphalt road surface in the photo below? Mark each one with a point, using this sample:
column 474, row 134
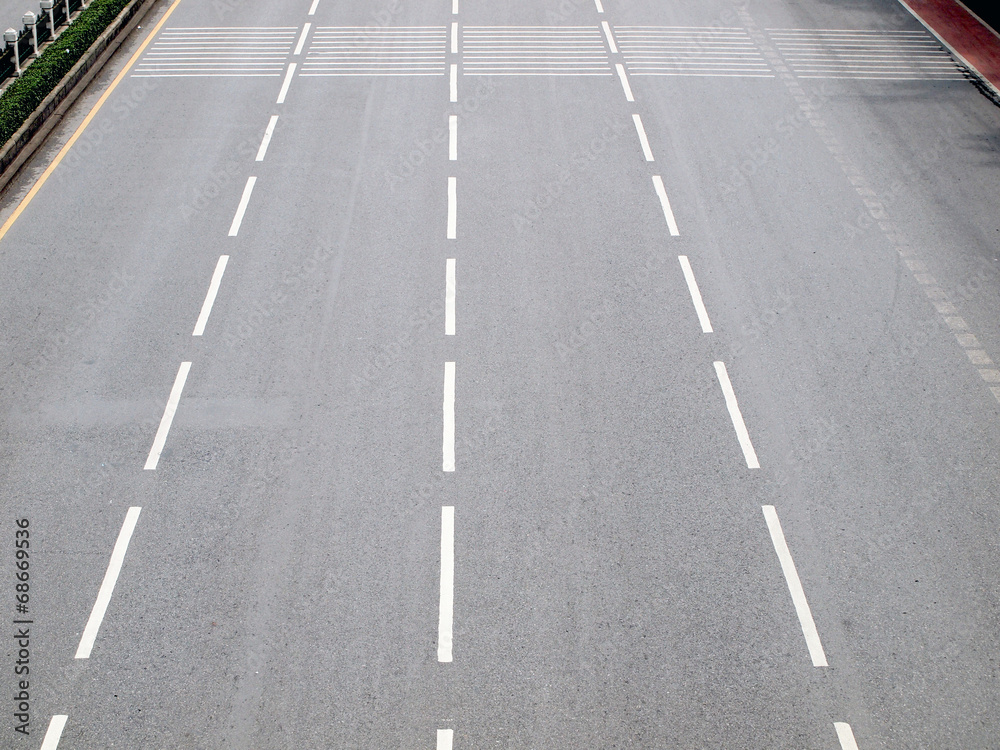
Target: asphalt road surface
column 526, row 375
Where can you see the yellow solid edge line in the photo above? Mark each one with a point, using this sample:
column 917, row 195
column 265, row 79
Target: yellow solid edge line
column 83, row 125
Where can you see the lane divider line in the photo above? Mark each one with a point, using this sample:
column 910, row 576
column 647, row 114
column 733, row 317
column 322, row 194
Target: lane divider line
column 286, row 83
column 453, row 86
column 449, row 297
column 312, row 8
column 625, row 84
column 699, row 304
column 54, row 732
column 108, row 585
column 168, row 417
column 268, row 132
column 448, row 441
column 213, row 289
column 445, row 737
column 234, row 228
column 668, row 214
column 447, row 600
column 302, row 38
column 600, row 8
column 795, row 588
column 734, row 413
column 454, row 7
column 611, row 39
column 646, row 150
column 846, row 735
column 453, row 137
column 452, row 209
column 83, row 125
column 454, row 37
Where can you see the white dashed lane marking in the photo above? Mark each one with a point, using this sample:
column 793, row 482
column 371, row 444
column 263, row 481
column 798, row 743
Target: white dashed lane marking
column 54, row 732
column 845, row 735
column 234, row 228
column 699, row 305
column 668, row 213
column 448, row 441
column 266, row 141
column 737, row 416
column 447, row 600
column 643, row 140
column 449, row 297
column 168, row 417
column 213, row 290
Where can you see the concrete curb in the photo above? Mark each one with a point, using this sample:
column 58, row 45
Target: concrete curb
column 50, row 112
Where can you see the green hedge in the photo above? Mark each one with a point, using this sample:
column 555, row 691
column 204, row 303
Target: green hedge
column 24, row 95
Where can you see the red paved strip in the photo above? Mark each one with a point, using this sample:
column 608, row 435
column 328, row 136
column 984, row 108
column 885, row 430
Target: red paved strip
column 953, row 23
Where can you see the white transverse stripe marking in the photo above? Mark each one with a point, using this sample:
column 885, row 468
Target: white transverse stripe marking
column 302, row 39
column 312, row 8
column 452, row 211
column 699, row 305
column 454, row 82
column 795, row 588
column 448, row 443
column 445, row 738
column 54, row 732
column 449, row 297
column 624, row 79
column 268, row 132
column 213, row 289
column 734, row 412
column 108, row 586
column 665, row 203
column 646, row 150
column 611, row 39
column 454, row 38
column 844, row 734
column 286, row 83
column 447, row 586
column 168, row 416
column 600, row 8
column 234, row 228
column 453, row 137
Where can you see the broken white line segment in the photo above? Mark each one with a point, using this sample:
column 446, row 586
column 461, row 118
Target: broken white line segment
column 287, row 82
column 268, row 132
column 454, row 83
column 611, row 39
column 108, row 585
column 447, row 601
column 734, row 413
column 600, row 8
column 647, row 152
column 445, row 739
column 454, row 7
column 302, row 39
column 213, row 289
column 624, row 79
column 168, row 416
column 312, row 8
column 845, row 735
column 668, row 214
column 795, row 588
column 699, row 305
column 54, row 732
column 448, row 442
column 449, row 297
column 453, row 137
column 234, row 228
column 454, row 38
column 452, row 210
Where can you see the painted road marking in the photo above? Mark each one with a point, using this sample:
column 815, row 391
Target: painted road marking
column 452, row 211
column 448, row 444
column 699, row 305
column 795, row 588
column 668, row 214
column 447, row 601
column 734, row 413
column 454, row 38
column 302, row 39
column 454, row 82
column 83, row 125
column 312, row 8
column 845, row 735
column 54, row 732
column 611, row 39
column 213, row 289
column 449, row 297
column 168, row 417
column 108, row 585
column 646, row 150
column 600, row 8
column 453, row 137
column 286, row 83
column 234, row 228
column 268, row 132
column 445, row 739
column 624, row 79
column 454, row 7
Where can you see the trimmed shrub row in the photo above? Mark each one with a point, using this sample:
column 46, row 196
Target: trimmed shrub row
column 21, row 98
